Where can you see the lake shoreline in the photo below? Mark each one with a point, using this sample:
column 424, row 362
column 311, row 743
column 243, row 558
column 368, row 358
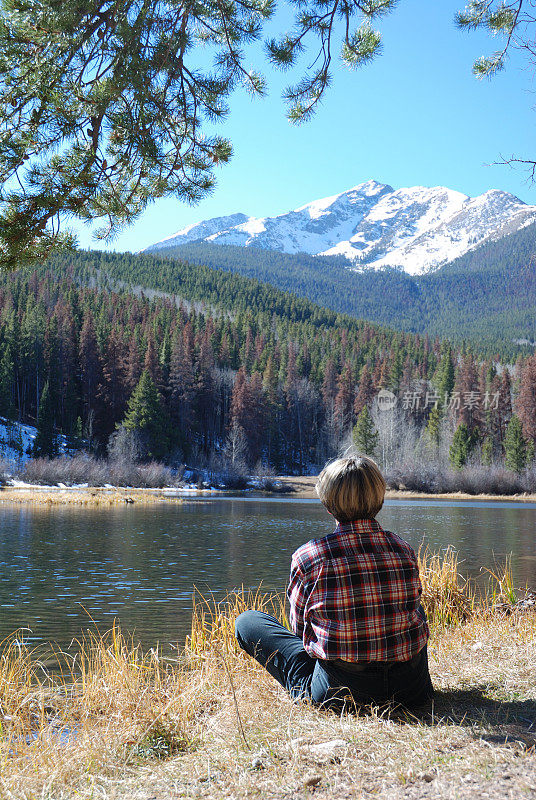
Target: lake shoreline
column 303, row 487
column 95, row 496
column 295, row 488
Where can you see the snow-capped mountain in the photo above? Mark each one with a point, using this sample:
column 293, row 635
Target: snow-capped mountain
column 373, row 225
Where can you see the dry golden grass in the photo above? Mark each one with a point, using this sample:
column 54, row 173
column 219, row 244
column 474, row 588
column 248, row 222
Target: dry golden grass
column 96, row 496
column 448, row 597
column 304, row 487
column 114, row 722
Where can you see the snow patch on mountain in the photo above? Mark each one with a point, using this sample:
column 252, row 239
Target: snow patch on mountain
column 415, row 229
column 200, row 230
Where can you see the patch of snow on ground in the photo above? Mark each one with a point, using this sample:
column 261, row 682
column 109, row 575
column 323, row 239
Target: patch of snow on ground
column 16, row 443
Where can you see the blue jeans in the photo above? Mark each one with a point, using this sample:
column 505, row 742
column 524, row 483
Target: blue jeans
column 328, row 683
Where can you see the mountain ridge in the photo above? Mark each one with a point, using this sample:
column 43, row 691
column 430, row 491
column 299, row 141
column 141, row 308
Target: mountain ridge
column 416, row 230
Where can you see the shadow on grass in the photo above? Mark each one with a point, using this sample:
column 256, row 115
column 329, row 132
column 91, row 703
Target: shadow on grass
column 496, row 721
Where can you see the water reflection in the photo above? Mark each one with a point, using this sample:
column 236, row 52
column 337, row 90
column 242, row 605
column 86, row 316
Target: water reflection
column 64, row 569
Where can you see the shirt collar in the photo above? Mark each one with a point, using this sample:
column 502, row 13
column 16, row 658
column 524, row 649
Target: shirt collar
column 361, row 527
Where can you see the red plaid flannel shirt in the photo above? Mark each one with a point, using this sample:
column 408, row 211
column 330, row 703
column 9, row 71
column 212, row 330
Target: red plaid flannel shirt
column 355, row 595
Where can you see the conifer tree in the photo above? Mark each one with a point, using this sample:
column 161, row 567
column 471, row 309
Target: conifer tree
column 78, row 433
column 257, row 416
column 504, row 405
column 203, row 400
column 433, row 426
column 329, row 384
column 343, row 404
column 461, row 446
column 468, row 386
column 531, row 452
column 45, row 442
column 103, row 105
column 90, row 367
column 273, row 407
column 407, row 375
column 164, row 360
column 152, row 363
column 366, row 391
column 487, row 451
column 515, row 446
column 364, row 434
column 247, row 351
column 182, row 385
column 225, row 350
column 303, row 362
column 134, row 364
column 115, row 392
column 526, row 400
column 445, row 377
column 7, row 407
column 146, row 417
column 248, row 411
column 397, row 369
column 65, row 366
column 32, row 333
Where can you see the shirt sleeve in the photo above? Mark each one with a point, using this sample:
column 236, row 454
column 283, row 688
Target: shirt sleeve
column 297, row 597
column 417, row 572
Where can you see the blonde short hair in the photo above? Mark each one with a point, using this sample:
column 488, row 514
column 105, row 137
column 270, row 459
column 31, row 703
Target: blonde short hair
column 351, row 488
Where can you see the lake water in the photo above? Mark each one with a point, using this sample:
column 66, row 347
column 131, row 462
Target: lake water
column 63, row 567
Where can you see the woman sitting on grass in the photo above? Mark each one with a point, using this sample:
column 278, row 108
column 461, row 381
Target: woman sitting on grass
column 359, row 627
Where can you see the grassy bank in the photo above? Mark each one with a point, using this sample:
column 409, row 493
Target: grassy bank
column 210, row 723
column 92, row 496
column 304, row 487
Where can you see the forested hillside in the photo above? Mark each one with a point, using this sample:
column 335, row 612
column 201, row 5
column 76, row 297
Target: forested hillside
column 223, row 367
column 488, row 295
column 326, row 281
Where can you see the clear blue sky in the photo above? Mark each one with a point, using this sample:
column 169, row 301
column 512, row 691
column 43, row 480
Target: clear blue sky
column 415, row 116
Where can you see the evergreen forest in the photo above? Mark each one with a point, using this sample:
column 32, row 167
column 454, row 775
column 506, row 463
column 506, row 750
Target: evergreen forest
column 488, row 295
column 187, row 364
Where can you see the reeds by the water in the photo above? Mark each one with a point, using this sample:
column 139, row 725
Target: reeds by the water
column 110, row 709
column 94, row 497
column 447, row 596
column 213, row 622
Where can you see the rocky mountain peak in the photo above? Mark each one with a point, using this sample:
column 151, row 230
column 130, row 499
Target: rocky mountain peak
column 416, row 229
